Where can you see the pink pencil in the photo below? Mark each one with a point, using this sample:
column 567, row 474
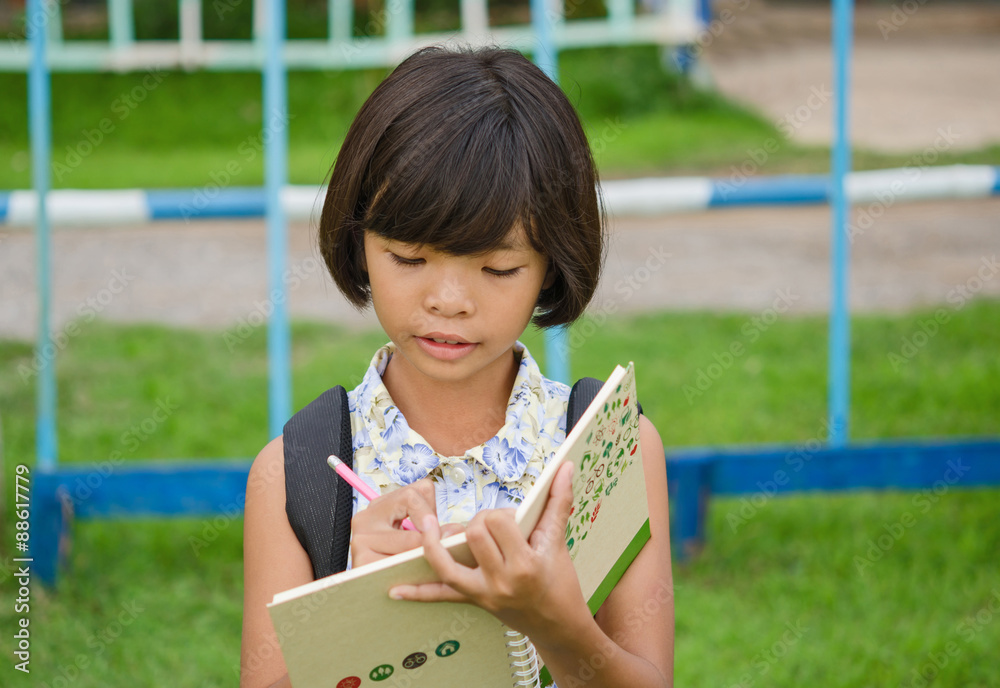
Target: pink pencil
column 360, row 485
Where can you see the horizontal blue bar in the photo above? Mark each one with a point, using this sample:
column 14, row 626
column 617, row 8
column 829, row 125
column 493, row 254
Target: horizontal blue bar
column 205, row 487
column 793, row 190
column 213, row 201
column 162, row 488
column 877, row 466
column 206, row 202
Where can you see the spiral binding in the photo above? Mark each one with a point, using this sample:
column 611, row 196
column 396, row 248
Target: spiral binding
column 524, row 660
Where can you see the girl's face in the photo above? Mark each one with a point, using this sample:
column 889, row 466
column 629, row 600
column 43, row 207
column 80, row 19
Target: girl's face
column 454, row 318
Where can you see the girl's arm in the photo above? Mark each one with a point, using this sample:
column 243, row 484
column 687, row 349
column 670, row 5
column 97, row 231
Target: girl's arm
column 532, row 587
column 633, row 642
column 273, row 561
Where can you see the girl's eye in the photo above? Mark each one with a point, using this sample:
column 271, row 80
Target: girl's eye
column 401, row 260
column 502, row 273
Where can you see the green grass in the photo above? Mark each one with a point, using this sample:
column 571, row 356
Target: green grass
column 183, row 129
column 141, row 604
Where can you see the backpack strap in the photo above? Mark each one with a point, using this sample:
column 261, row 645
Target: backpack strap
column 318, row 503
column 580, row 395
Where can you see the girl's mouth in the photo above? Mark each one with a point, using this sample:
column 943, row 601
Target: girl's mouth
column 445, row 347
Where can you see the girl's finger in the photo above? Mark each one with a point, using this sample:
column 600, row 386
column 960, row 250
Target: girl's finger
column 460, row 578
column 388, row 511
column 449, row 529
column 416, row 502
column 552, row 524
column 505, row 533
column 391, row 541
column 484, row 548
column 428, row 592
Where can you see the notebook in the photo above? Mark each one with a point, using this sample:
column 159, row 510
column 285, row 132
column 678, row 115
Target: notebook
column 344, row 631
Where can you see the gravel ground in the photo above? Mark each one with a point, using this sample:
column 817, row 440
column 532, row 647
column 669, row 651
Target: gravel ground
column 214, row 274
column 914, row 70
column 937, row 70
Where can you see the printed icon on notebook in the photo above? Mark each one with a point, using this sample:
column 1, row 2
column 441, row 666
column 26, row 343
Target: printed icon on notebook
column 381, row 672
column 349, row 682
column 414, row 660
column 447, row 648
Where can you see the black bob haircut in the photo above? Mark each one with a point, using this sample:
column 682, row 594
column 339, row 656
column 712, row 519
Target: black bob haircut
column 454, row 150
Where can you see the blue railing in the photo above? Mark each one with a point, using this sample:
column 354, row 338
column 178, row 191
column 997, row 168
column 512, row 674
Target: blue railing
column 385, row 42
column 211, row 487
column 647, row 196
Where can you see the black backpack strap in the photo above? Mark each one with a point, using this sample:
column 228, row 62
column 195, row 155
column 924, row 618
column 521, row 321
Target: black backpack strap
column 583, row 392
column 580, row 395
column 318, row 503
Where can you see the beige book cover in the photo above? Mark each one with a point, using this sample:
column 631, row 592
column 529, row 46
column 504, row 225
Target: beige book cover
column 344, row 631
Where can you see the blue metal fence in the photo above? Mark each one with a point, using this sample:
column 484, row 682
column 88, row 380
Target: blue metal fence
column 272, row 54
column 647, row 196
column 386, row 39
column 192, row 488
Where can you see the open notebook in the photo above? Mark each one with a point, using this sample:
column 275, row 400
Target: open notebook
column 344, row 631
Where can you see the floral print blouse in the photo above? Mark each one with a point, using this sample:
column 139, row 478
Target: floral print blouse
column 388, row 454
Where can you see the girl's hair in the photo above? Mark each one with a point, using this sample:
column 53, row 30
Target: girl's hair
column 454, row 150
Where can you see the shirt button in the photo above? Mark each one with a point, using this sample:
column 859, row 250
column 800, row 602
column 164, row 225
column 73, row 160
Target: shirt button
column 458, row 473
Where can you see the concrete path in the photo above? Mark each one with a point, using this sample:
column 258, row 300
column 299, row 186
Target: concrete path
column 214, row 274
column 916, row 69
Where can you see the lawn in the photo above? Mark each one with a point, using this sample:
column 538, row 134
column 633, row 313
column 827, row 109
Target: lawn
column 780, row 601
column 122, row 130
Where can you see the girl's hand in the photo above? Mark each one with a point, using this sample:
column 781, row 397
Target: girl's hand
column 530, row 585
column 376, row 530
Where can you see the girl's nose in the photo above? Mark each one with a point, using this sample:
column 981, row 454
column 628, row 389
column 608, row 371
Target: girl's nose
column 448, row 297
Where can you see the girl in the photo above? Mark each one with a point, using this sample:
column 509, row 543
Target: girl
column 462, row 206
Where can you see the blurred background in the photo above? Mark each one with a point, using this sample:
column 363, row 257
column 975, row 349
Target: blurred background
column 164, row 354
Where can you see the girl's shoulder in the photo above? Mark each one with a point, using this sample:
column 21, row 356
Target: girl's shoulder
column 268, row 468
